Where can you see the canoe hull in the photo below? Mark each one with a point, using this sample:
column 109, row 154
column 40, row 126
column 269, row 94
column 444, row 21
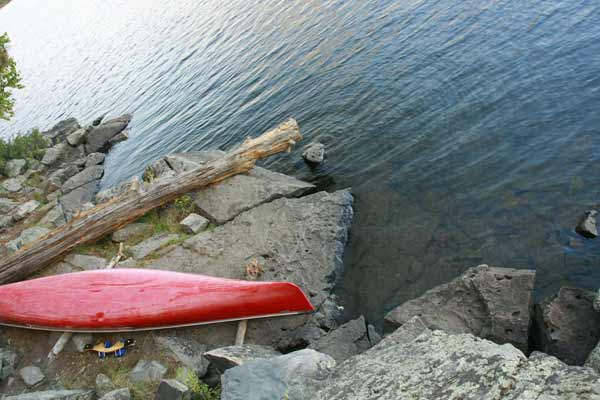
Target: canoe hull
column 138, row 299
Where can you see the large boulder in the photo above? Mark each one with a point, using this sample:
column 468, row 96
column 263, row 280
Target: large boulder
column 567, row 326
column 15, row 168
column 76, row 199
column 489, row 302
column 353, row 337
column 424, row 364
column 61, row 130
column 62, row 153
column 187, row 352
column 223, row 358
column 60, row 176
column 294, row 376
column 55, row 395
column 221, row 203
column 98, row 139
column 90, row 174
column 12, row 185
column 593, row 359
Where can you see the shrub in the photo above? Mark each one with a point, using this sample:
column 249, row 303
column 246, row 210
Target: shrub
column 9, row 79
column 31, row 146
column 200, row 391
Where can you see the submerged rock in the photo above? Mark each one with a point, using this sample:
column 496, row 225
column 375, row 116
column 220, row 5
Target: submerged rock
column 294, row 376
column 223, row 358
column 489, row 302
column 314, row 153
column 587, row 226
column 567, row 326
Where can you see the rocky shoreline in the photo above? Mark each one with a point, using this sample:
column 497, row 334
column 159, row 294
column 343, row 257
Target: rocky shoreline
column 479, row 336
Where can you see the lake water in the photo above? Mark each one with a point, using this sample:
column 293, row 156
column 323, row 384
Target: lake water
column 468, row 130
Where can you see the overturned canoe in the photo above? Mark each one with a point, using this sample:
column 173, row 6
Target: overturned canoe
column 141, row 299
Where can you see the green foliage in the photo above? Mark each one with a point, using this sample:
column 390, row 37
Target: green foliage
column 9, row 79
column 200, row 391
column 103, row 247
column 139, row 391
column 184, row 205
column 31, row 146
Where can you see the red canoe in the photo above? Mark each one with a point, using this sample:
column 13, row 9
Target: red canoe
column 140, row 299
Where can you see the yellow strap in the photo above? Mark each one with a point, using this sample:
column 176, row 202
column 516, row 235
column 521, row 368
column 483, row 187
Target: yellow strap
column 101, row 349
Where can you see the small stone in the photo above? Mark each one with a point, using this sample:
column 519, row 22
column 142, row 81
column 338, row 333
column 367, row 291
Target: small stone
column 25, row 209
column 172, row 389
column 79, row 340
column 27, row 236
column 147, row 371
column 194, row 223
column 86, row 262
column 12, row 185
column 150, row 245
column 587, row 225
column 131, row 231
column 314, row 153
column 103, row 384
column 119, row 394
column 94, row 159
column 31, row 375
column 76, row 138
column 15, row 168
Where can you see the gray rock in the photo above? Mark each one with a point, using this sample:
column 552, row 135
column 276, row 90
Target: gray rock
column 593, row 359
column 55, row 395
column 221, row 203
column 99, row 137
column 293, row 376
column 131, row 231
column 223, row 358
column 171, row 389
column 314, row 153
column 159, row 169
column 76, row 138
column 119, row 137
column 60, row 268
column 73, row 201
column 129, row 187
column 435, row 365
column 492, row 303
column 94, row 159
column 25, row 209
column 62, row 153
column 86, row 262
column 567, row 326
column 118, row 394
column 596, row 304
column 90, row 174
column 27, row 236
column 98, row 120
column 7, row 205
column 61, row 130
column 79, row 341
column 346, row 341
column 103, row 385
column 187, row 352
column 57, row 178
column 147, row 371
column 194, row 223
column 6, row 221
column 8, row 360
column 12, row 185
column 55, row 217
column 31, row 375
column 587, row 225
column 150, row 245
column 15, row 168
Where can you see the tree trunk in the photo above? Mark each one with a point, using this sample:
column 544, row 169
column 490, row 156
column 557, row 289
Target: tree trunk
column 110, row 216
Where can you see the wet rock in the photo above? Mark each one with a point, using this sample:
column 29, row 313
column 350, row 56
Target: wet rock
column 593, row 359
column 55, row 395
column 147, row 371
column 118, row 394
column 130, row 186
column 489, row 302
column 15, row 168
column 86, row 262
column 76, row 138
column 103, row 385
column 31, row 375
column 61, row 130
column 79, row 341
column 171, row 389
column 314, row 153
column 25, row 209
column 194, row 223
column 346, row 341
column 293, row 376
column 94, row 159
column 8, row 360
column 131, row 231
column 587, row 225
column 90, row 174
column 223, row 358
column 187, row 352
column 73, row 201
column 27, row 236
column 567, row 326
column 435, row 365
column 55, row 217
column 12, row 185
column 150, row 245
column 99, row 137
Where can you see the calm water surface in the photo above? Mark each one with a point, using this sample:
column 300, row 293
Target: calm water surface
column 468, row 130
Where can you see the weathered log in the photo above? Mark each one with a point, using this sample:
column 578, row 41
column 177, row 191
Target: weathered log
column 108, row 217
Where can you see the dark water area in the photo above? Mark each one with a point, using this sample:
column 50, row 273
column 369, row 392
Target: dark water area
column 468, row 130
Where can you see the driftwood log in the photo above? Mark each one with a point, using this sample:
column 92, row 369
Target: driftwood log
column 108, row 217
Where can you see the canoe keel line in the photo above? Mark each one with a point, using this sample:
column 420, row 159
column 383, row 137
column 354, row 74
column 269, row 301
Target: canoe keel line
column 122, row 300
